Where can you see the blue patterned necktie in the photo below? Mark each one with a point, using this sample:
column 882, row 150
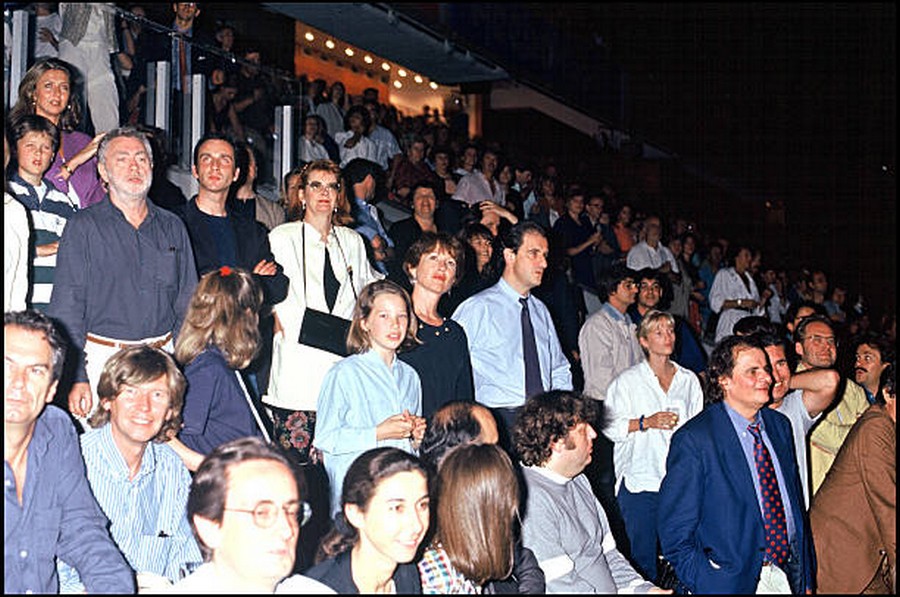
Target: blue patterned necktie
column 775, row 524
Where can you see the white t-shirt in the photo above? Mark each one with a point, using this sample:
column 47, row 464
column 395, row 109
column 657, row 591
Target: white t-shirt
column 793, row 408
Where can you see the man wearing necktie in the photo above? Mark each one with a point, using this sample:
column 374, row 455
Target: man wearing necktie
column 513, row 343
column 731, row 512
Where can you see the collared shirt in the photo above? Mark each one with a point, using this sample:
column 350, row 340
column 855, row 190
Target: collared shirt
column 474, row 188
column 640, row 456
column 746, row 440
column 794, row 409
column 58, row 517
column 358, row 393
column 365, row 148
column 148, row 514
column 609, row 345
column 369, row 224
column 491, row 320
column 643, row 255
column 387, row 145
column 727, row 285
column 440, row 577
column 16, row 243
column 120, row 282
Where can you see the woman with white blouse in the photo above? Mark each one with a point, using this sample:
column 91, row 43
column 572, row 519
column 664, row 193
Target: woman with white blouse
column 645, row 405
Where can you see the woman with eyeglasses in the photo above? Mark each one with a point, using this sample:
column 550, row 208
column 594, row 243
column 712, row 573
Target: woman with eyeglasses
column 385, row 509
column 327, row 266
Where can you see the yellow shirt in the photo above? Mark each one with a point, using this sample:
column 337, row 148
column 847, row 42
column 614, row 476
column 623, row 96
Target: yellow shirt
column 828, row 436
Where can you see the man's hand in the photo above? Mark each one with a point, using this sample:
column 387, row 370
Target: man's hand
column 265, row 268
column 80, row 399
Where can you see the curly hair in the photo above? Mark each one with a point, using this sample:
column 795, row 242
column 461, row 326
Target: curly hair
column 547, row 418
column 135, row 366
column 25, row 104
column 224, row 312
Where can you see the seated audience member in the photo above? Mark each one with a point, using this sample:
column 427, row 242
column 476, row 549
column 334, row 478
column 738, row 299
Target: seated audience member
column 565, row 526
column 408, row 170
column 36, row 141
column 220, row 336
column 854, row 513
column 361, row 179
column 477, row 506
column 407, row 231
column 481, row 266
column 139, row 481
column 242, row 196
column 441, row 355
column 383, row 518
column 460, row 423
column 246, row 513
column 647, row 403
column 390, row 415
column 49, row 509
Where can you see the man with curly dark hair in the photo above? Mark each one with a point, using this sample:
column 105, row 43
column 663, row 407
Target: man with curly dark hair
column 564, row 525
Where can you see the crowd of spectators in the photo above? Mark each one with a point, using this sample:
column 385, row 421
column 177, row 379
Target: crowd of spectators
column 608, row 342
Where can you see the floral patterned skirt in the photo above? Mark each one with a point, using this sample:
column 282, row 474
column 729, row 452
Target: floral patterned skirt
column 294, row 432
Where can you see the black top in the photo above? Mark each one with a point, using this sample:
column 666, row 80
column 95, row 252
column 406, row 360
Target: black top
column 443, row 364
column 336, row 573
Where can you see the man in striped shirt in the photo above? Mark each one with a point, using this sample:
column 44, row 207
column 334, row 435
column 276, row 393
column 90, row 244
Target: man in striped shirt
column 140, row 483
column 36, row 141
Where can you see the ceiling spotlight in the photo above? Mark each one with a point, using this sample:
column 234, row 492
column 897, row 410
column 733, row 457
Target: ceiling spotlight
column 309, row 36
column 349, row 52
column 433, row 85
column 368, row 59
column 329, row 44
column 385, row 66
column 418, row 79
column 398, row 84
column 401, row 72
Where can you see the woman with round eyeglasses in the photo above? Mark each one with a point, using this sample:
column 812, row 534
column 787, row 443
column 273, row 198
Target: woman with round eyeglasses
column 47, row 89
column 327, row 266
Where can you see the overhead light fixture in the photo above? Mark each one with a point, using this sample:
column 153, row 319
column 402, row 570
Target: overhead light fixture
column 309, row 36
column 433, row 85
column 398, row 84
column 418, row 79
column 329, row 44
column 385, row 66
column 401, row 72
column 349, row 52
column 368, row 59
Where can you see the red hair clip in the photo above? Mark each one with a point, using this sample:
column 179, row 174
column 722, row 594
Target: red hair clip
column 225, row 271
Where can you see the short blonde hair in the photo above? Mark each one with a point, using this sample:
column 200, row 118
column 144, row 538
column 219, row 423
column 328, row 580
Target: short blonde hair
column 358, row 340
column 651, row 321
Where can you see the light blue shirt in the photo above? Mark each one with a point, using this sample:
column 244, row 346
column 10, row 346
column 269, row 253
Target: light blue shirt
column 358, row 393
column 148, row 514
column 746, row 439
column 492, row 321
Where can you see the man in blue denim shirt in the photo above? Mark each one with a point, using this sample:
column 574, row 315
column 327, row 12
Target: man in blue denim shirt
column 54, row 513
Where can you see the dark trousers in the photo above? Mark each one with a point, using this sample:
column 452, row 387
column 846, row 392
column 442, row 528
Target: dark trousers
column 639, row 514
column 506, row 420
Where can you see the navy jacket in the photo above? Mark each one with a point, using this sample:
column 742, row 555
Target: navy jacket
column 710, row 526
column 336, row 573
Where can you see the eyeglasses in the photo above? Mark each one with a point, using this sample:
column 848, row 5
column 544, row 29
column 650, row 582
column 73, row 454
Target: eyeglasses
column 818, row 340
column 320, row 187
column 266, row 513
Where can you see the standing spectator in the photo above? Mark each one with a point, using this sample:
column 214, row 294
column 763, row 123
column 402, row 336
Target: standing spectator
column 16, row 243
column 220, row 336
column 481, row 185
column 221, row 117
column 87, row 39
column 734, row 295
column 512, row 340
column 124, row 271
column 354, row 142
column 46, row 90
column 383, row 518
column 310, row 148
column 446, row 187
column 646, row 404
column 408, row 170
column 577, row 239
column 441, row 356
column 361, row 176
column 49, row 509
column 47, row 24
column 709, row 268
column 384, row 139
column 129, row 464
column 622, row 228
column 246, row 512
column 255, row 103
column 467, row 160
column 333, row 110
column 564, row 525
column 36, row 141
column 729, row 469
column 650, row 251
column 854, row 513
column 391, row 414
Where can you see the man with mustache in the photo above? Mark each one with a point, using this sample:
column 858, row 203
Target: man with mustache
column 874, row 352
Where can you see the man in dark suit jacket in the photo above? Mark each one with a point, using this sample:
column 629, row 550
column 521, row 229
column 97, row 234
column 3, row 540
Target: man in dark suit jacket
column 712, row 512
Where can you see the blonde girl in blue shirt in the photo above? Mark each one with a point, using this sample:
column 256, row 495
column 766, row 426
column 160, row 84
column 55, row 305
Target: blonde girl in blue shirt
column 371, row 398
